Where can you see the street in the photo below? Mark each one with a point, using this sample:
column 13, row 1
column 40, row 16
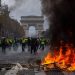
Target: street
column 17, row 56
column 14, row 56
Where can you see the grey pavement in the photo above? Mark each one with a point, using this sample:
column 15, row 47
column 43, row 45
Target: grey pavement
column 17, row 56
column 40, row 73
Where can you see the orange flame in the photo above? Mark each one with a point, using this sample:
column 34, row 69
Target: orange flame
column 63, row 60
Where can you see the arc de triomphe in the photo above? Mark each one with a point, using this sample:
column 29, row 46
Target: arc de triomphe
column 37, row 21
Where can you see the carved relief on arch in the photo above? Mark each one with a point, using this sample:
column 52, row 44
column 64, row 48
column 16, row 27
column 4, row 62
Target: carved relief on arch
column 40, row 27
column 25, row 27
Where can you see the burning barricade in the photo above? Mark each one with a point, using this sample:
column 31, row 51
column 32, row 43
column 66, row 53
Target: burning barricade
column 60, row 61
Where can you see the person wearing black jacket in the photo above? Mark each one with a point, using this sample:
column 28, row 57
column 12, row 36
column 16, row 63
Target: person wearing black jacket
column 3, row 44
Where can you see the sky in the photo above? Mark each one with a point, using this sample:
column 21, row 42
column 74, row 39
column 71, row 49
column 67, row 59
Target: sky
column 23, row 7
column 20, row 8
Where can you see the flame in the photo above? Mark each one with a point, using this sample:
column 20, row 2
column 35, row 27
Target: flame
column 63, row 60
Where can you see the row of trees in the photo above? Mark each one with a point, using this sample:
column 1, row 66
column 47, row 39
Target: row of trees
column 10, row 27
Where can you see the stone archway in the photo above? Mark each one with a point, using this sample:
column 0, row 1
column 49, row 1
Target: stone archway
column 37, row 21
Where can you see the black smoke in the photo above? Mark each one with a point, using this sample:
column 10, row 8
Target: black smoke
column 61, row 16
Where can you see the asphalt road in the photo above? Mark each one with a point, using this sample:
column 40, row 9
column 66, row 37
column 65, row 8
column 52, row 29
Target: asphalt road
column 17, row 56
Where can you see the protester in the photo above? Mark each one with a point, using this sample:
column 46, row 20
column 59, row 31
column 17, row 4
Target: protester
column 24, row 43
column 3, row 45
column 33, row 45
column 42, row 43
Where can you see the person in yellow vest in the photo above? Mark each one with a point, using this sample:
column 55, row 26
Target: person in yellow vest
column 42, row 43
column 9, row 42
column 24, row 42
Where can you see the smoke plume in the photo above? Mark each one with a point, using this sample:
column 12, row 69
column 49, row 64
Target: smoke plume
column 17, row 4
column 61, row 16
column 14, row 4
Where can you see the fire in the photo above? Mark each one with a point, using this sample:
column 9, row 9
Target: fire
column 64, row 58
column 48, row 59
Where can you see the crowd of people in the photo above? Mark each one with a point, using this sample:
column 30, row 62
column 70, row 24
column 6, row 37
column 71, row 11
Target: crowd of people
column 33, row 44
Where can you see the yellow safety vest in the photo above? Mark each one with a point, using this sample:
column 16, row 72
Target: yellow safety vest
column 23, row 40
column 7, row 41
column 26, row 40
column 42, row 42
column 10, row 40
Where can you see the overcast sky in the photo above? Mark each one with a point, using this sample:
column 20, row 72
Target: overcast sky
column 23, row 7
column 20, row 8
